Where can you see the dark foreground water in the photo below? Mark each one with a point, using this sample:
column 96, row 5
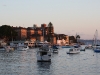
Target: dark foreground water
column 25, row 63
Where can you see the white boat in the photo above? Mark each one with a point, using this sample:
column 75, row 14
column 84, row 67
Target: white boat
column 82, row 48
column 44, row 54
column 74, row 50
column 88, row 47
column 22, row 48
column 55, row 49
column 2, row 49
column 25, row 48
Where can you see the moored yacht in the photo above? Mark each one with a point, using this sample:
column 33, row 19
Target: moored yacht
column 74, row 50
column 25, row 48
column 44, row 54
column 22, row 48
column 96, row 46
column 82, row 48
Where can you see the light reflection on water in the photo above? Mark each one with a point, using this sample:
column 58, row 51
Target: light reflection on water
column 25, row 63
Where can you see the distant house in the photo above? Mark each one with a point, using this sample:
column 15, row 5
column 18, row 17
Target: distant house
column 22, row 43
column 17, row 43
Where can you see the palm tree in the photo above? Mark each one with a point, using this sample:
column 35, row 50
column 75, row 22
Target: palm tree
column 50, row 28
column 77, row 38
column 50, row 31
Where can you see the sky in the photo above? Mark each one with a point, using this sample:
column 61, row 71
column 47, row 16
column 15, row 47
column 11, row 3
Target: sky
column 68, row 17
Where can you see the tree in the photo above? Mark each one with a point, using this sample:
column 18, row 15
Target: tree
column 72, row 39
column 50, row 31
column 77, row 38
column 7, row 32
column 50, row 28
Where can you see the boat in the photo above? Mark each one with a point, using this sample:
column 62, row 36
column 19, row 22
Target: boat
column 58, row 46
column 25, row 48
column 2, row 48
column 22, row 48
column 74, row 50
column 44, row 54
column 96, row 46
column 89, row 47
column 82, row 48
column 55, row 49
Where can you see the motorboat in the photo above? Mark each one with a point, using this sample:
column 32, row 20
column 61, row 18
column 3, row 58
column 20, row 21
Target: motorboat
column 55, row 49
column 88, row 47
column 74, row 50
column 25, row 48
column 82, row 48
column 44, row 54
column 22, row 48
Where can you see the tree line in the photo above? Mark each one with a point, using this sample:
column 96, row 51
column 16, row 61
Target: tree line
column 7, row 32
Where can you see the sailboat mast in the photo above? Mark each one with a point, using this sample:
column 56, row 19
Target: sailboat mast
column 96, row 37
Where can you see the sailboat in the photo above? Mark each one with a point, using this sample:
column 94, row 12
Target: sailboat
column 96, row 46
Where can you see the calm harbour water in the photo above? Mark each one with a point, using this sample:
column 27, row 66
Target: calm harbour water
column 25, row 63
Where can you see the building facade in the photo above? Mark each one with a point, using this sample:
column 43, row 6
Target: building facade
column 22, row 33
column 35, row 33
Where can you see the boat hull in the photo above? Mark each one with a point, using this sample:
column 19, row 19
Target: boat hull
column 82, row 49
column 65, row 46
column 73, row 52
column 44, row 58
column 98, row 51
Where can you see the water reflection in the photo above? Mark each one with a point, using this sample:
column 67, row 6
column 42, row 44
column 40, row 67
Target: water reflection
column 44, row 68
column 44, row 65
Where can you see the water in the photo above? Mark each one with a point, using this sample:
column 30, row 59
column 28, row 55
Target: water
column 25, row 63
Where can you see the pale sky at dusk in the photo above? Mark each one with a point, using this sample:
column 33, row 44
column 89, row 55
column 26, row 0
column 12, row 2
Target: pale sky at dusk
column 68, row 16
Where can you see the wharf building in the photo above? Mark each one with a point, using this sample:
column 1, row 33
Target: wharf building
column 35, row 33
